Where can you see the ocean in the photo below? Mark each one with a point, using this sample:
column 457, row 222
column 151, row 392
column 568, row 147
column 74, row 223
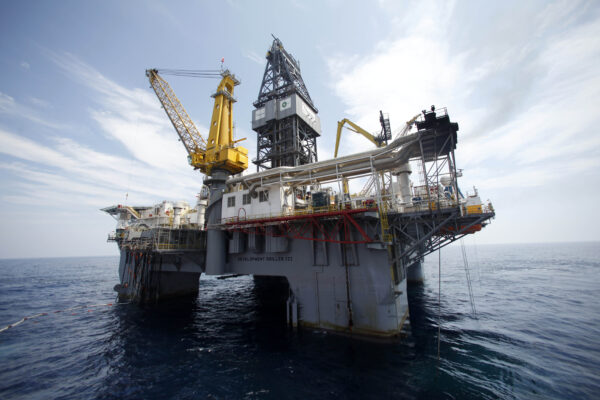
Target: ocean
column 535, row 335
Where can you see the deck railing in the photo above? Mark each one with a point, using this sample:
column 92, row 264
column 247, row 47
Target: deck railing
column 388, row 206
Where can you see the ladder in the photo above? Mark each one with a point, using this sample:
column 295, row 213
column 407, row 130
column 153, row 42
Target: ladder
column 382, row 208
column 386, row 130
column 386, row 236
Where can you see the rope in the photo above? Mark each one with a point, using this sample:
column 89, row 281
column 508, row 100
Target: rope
column 477, row 264
column 468, row 274
column 7, row 327
column 439, row 299
column 199, row 73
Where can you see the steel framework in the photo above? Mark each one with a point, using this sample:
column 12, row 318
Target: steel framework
column 289, row 141
column 436, row 159
column 441, row 219
column 286, row 142
column 282, row 77
column 419, row 234
column 332, row 226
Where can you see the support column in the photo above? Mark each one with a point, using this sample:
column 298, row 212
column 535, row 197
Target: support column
column 365, row 303
column 414, row 273
column 215, row 238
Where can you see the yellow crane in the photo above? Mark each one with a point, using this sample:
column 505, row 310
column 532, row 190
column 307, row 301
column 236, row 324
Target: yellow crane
column 378, row 141
column 219, row 152
column 381, row 139
column 354, row 128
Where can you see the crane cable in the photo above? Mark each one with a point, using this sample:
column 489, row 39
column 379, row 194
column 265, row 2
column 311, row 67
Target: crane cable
column 198, row 73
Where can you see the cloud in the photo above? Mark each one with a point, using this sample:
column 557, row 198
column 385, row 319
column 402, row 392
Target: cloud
column 62, row 173
column 39, row 102
column 253, row 56
column 9, row 106
column 6, row 102
column 523, row 97
column 25, row 65
column 298, row 4
column 133, row 117
column 70, row 174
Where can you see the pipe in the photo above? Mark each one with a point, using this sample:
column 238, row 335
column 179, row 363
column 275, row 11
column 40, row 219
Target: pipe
column 355, row 164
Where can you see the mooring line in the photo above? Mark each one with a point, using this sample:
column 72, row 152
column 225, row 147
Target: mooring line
column 468, row 274
column 439, row 299
column 19, row 322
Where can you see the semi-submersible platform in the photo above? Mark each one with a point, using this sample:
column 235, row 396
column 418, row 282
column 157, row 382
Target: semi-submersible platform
column 347, row 256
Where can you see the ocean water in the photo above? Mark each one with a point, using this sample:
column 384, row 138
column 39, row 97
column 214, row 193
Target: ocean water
column 536, row 335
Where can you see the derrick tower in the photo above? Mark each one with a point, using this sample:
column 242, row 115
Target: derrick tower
column 285, row 118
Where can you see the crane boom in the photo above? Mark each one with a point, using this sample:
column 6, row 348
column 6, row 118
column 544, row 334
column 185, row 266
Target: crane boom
column 187, row 131
column 219, row 151
column 377, row 141
column 354, row 128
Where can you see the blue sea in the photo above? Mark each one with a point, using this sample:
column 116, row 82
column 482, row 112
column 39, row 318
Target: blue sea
column 535, row 335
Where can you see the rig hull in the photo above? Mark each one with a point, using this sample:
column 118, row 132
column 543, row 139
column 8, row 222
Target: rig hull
column 339, row 287
column 148, row 276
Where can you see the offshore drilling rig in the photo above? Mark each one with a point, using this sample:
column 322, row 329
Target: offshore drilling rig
column 346, row 256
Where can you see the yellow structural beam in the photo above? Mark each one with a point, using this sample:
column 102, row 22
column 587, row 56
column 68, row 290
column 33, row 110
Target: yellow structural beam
column 355, row 128
column 219, row 151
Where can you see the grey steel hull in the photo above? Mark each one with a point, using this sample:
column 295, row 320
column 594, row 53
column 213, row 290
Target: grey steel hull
column 346, row 288
column 150, row 276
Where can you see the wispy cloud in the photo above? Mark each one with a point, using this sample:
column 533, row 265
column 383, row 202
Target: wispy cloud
column 73, row 174
column 253, row 56
column 39, row 102
column 25, row 65
column 299, row 4
column 133, row 117
column 8, row 106
column 524, row 105
column 67, row 174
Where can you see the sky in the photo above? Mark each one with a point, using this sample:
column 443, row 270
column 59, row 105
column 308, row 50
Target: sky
column 81, row 129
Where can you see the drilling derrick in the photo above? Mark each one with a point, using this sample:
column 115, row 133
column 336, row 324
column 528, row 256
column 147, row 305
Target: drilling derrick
column 285, row 118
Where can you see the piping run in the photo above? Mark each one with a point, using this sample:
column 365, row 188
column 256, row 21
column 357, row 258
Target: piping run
column 393, row 155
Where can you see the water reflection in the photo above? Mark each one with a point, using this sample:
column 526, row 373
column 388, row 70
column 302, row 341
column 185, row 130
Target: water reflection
column 233, row 340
